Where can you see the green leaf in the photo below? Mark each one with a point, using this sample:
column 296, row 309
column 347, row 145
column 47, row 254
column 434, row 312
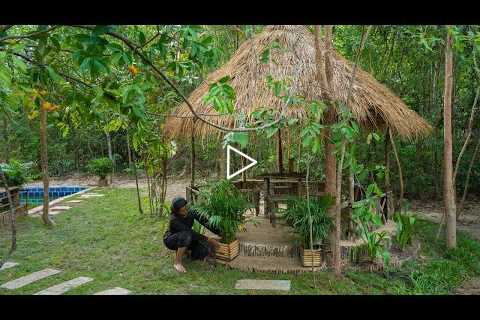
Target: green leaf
column 141, row 38
column 241, row 138
column 265, row 56
column 54, row 75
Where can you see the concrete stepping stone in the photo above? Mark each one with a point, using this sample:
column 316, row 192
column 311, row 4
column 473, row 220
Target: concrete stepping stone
column 60, row 208
column 32, row 277
column 8, row 264
column 64, row 287
column 252, row 284
column 117, row 291
column 92, row 195
column 74, row 201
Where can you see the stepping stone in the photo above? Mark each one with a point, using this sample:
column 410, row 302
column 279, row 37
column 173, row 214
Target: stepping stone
column 59, row 208
column 64, row 287
column 92, row 195
column 113, row 292
column 32, row 277
column 87, row 196
column 7, row 265
column 74, row 201
column 252, row 284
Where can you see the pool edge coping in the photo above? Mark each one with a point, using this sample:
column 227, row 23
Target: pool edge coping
column 40, row 208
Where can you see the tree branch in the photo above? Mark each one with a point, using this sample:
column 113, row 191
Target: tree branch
column 467, row 139
column 160, row 74
column 26, row 36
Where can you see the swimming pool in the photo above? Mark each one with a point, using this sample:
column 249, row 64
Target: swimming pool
column 33, row 196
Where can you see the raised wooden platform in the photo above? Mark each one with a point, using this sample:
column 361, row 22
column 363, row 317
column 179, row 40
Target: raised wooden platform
column 264, row 248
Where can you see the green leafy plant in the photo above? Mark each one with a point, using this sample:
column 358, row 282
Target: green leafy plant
column 223, row 205
column 221, row 95
column 375, row 246
column 16, row 172
column 365, row 217
column 298, row 217
column 100, row 167
column 405, row 229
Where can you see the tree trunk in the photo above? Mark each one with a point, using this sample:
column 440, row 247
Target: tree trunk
column 338, row 198
column 136, row 183
column 448, row 192
column 129, row 152
column 44, row 163
column 324, row 77
column 400, row 173
column 467, row 138
column 464, row 196
column 280, row 152
column 388, row 185
column 110, row 154
column 351, row 192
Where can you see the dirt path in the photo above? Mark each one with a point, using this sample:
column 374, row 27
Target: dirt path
column 469, row 222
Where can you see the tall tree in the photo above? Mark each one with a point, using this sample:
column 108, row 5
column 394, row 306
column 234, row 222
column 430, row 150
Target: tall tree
column 448, row 191
column 44, row 164
column 324, row 77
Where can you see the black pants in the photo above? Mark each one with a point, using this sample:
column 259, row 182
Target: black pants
column 194, row 241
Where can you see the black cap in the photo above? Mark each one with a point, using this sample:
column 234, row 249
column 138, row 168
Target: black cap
column 177, row 203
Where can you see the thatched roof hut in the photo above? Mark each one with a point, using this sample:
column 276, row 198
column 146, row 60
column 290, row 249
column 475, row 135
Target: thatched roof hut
column 372, row 103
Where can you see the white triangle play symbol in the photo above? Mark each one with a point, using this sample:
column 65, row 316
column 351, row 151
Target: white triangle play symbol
column 253, row 162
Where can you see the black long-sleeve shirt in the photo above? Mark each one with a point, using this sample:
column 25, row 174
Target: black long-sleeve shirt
column 179, row 223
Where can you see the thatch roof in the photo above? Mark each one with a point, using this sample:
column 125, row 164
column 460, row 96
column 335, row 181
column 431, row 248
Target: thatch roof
column 372, row 103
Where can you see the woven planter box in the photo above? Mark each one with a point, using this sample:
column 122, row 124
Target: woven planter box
column 311, row 258
column 228, row 252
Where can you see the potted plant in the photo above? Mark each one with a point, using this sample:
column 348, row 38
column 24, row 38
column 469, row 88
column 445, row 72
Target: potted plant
column 298, row 214
column 224, row 206
column 101, row 167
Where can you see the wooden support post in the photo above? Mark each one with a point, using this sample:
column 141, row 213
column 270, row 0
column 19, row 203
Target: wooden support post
column 192, row 159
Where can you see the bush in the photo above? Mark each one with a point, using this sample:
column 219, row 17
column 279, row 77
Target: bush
column 100, row 167
column 223, row 205
column 16, row 173
column 297, row 216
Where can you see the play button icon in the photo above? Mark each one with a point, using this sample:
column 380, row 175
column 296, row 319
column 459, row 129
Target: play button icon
column 252, row 162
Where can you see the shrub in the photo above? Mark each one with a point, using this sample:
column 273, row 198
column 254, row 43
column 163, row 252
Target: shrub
column 405, row 229
column 16, row 173
column 223, row 205
column 100, row 167
column 298, row 217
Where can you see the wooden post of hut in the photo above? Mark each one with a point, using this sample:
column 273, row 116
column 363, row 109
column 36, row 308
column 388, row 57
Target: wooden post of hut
column 192, row 159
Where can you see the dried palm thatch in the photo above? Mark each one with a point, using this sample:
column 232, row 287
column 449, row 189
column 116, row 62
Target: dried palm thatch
column 371, row 103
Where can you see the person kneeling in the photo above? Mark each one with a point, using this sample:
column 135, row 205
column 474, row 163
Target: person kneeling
column 180, row 236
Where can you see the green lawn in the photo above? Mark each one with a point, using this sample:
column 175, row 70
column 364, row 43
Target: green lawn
column 106, row 239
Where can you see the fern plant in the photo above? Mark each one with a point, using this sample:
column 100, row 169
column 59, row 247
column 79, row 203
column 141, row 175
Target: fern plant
column 297, row 215
column 224, row 206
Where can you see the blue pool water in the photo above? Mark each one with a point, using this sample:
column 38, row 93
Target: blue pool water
column 33, row 196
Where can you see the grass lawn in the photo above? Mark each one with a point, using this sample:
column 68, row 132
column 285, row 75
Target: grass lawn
column 106, row 239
